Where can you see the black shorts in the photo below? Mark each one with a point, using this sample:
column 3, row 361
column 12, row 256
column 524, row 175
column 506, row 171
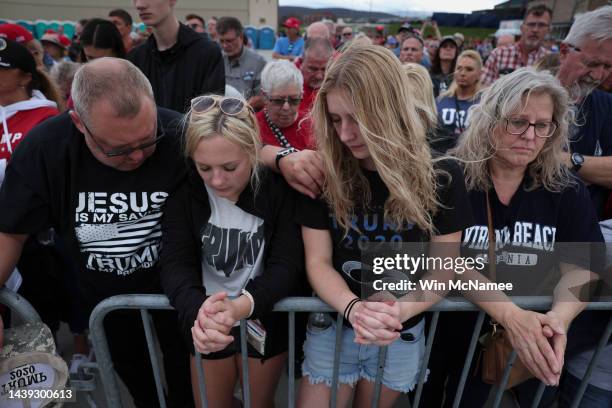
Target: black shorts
column 276, row 340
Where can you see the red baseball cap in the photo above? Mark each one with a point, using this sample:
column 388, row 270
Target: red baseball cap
column 54, row 38
column 65, row 41
column 15, row 32
column 292, row 22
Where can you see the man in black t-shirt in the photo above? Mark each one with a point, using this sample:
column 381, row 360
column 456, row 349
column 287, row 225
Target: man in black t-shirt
column 100, row 175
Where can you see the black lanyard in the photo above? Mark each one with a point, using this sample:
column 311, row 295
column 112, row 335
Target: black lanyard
column 459, row 123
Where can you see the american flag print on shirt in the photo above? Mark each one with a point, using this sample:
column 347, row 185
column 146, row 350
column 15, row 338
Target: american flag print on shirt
column 119, row 233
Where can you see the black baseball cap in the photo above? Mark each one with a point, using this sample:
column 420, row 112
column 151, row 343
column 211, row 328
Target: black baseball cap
column 406, row 27
column 14, row 55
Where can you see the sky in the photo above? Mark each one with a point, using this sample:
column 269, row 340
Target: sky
column 394, row 6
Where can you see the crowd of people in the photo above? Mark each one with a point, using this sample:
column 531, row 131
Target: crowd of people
column 189, row 165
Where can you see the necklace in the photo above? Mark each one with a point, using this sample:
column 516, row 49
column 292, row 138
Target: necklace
column 278, row 134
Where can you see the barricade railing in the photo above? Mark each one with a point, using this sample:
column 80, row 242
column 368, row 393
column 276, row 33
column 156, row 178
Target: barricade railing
column 26, row 312
column 19, row 305
column 144, row 303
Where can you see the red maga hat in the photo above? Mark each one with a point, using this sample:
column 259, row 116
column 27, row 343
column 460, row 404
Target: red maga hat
column 15, row 32
column 292, row 22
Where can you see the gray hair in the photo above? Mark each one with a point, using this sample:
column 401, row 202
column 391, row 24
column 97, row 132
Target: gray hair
column 277, row 74
column 503, row 98
column 596, row 25
column 63, row 75
column 116, row 80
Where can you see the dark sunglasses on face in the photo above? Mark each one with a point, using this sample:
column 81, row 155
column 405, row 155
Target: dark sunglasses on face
column 229, row 106
column 280, row 102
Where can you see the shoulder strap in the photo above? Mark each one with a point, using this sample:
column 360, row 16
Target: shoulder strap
column 491, row 252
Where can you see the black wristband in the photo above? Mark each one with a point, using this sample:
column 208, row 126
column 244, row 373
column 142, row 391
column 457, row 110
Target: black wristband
column 349, row 307
column 282, row 153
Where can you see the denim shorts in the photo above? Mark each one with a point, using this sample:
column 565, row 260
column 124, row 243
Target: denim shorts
column 402, row 365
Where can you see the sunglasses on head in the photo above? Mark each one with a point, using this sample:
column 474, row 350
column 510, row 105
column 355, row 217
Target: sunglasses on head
column 229, row 106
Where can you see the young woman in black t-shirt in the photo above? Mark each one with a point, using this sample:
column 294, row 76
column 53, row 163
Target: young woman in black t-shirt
column 381, row 185
column 513, row 153
column 230, row 251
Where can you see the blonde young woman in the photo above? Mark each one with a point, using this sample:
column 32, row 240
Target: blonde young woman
column 231, row 250
column 512, row 154
column 380, row 186
column 420, row 85
column 454, row 104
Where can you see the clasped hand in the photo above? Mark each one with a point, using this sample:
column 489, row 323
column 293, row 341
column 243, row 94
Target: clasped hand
column 215, row 320
column 376, row 322
column 539, row 340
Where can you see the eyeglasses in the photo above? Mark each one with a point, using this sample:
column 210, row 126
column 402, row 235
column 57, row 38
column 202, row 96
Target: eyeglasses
column 126, row 152
column 516, row 126
column 536, row 25
column 590, row 63
column 228, row 106
column 347, row 34
column 225, row 40
column 195, row 26
column 280, row 102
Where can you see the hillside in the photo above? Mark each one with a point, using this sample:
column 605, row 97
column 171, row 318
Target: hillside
column 300, row 12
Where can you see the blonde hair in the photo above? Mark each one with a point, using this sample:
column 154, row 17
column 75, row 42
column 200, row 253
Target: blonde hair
column 393, row 133
column 240, row 129
column 504, row 97
column 452, row 89
column 421, row 87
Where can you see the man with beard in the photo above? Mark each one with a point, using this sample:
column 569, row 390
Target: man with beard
column 243, row 66
column 504, row 60
column 585, row 62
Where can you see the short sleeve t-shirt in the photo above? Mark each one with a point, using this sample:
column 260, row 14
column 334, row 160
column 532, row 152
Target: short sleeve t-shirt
column 590, row 136
column 441, row 82
column 528, row 232
column 453, row 119
column 285, row 47
column 232, row 247
column 109, row 218
column 369, row 224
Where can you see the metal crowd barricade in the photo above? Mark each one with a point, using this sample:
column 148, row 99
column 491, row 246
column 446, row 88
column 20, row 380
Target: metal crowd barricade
column 19, row 305
column 144, row 303
column 26, row 312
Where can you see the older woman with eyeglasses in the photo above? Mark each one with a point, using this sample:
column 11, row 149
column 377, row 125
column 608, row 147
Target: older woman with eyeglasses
column 231, row 250
column 285, row 130
column 526, row 205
